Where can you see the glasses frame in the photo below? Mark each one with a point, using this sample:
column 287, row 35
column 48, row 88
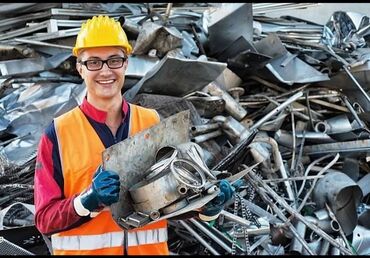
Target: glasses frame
column 123, row 58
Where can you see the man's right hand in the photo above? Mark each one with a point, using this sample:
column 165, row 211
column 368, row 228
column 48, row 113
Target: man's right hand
column 103, row 191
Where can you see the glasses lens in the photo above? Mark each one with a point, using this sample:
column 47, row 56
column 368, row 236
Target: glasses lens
column 94, row 64
column 115, row 62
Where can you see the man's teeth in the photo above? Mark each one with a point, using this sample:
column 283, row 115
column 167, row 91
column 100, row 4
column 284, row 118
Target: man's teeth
column 106, row 82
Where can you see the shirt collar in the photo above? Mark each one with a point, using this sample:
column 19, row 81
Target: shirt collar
column 99, row 115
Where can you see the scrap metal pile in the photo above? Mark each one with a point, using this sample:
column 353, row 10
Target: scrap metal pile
column 284, row 93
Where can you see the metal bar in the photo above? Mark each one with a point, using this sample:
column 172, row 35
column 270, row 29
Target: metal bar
column 211, row 235
column 199, row 129
column 168, row 11
column 235, row 218
column 253, row 179
column 40, row 43
column 26, row 30
column 278, row 180
column 207, row 136
column 199, row 238
column 352, row 110
column 341, row 147
column 276, row 110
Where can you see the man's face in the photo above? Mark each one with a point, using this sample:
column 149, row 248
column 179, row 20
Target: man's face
column 106, row 83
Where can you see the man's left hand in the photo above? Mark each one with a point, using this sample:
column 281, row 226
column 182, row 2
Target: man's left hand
column 212, row 210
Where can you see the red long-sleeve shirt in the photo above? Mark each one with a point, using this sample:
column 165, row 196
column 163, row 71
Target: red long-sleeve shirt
column 54, row 212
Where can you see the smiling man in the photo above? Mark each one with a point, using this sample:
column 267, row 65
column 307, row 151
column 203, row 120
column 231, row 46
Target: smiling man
column 72, row 190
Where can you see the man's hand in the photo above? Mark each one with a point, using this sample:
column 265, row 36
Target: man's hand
column 212, row 210
column 103, row 191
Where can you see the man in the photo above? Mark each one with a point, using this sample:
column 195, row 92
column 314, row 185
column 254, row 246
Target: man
column 72, row 190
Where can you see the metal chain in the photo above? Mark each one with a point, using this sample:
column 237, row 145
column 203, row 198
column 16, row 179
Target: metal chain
column 244, row 228
column 251, row 194
column 236, row 206
column 246, row 214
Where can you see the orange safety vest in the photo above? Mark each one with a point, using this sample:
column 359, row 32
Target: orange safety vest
column 80, row 150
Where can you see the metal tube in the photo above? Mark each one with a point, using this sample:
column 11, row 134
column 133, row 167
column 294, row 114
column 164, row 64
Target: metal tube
column 207, row 136
column 200, row 129
column 261, row 212
column 211, row 235
column 168, row 11
column 356, row 83
column 280, row 164
column 199, row 238
column 324, row 247
column 354, row 113
column 278, row 212
column 253, row 179
column 235, row 218
column 276, row 110
column 295, row 245
column 231, row 105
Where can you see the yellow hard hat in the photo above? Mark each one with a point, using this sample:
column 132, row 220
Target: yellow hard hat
column 101, row 31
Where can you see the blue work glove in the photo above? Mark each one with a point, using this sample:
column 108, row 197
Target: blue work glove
column 212, row 210
column 103, row 191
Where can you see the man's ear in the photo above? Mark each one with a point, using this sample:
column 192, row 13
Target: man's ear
column 126, row 64
column 79, row 69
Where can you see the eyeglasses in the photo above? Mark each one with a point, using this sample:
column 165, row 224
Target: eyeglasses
column 112, row 63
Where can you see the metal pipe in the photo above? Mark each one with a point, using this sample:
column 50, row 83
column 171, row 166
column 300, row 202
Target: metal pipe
column 280, row 164
column 295, row 245
column 276, row 110
column 353, row 112
column 207, row 136
column 199, row 238
column 231, row 105
column 253, row 179
column 168, row 11
column 261, row 212
column 356, row 83
column 211, row 235
column 324, row 247
column 345, row 64
column 201, row 129
column 235, row 218
column 308, row 194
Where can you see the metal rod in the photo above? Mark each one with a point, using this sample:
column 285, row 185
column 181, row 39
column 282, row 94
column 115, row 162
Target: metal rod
column 199, row 238
column 40, row 43
column 211, row 235
column 279, row 213
column 356, row 83
column 235, row 218
column 276, row 110
column 168, row 11
column 278, row 180
column 207, row 136
column 352, row 110
column 253, row 178
column 199, row 129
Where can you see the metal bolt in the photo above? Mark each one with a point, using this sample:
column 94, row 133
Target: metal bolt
column 236, row 92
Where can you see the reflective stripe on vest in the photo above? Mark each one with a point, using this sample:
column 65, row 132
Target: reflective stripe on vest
column 112, row 239
column 88, row 242
column 144, row 237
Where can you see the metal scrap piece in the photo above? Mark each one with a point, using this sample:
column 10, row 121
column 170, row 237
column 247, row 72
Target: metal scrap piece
column 137, row 153
column 171, row 77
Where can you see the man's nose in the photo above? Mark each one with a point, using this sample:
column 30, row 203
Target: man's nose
column 105, row 68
